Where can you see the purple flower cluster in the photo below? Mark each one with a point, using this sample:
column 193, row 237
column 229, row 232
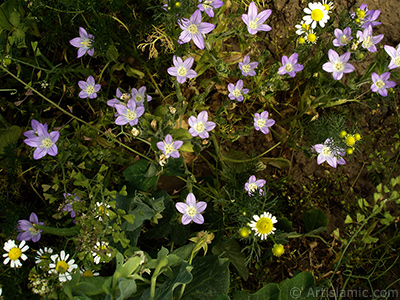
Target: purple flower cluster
column 381, row 83
column 237, row 91
column 253, row 185
column 248, row 67
column 89, row 88
column 208, row 6
column 182, row 69
column 39, row 138
column 128, row 113
column 364, row 17
column 367, row 40
column 342, row 37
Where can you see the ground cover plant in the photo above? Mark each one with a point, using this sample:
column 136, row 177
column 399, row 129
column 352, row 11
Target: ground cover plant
column 198, row 150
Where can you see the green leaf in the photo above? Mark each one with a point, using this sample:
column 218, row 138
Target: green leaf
column 174, row 167
column 129, row 218
column 285, row 225
column 231, row 250
column 126, row 288
column 9, row 135
column 210, row 278
column 348, row 220
column 141, row 213
column 270, row 292
column 90, row 285
column 135, row 176
column 15, row 18
column 315, row 218
column 298, row 287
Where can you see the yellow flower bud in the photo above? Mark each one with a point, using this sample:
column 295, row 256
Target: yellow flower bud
column 350, row 151
column 244, row 232
column 342, row 134
column 278, row 250
column 178, row 4
column 350, row 140
column 301, row 40
column 357, row 136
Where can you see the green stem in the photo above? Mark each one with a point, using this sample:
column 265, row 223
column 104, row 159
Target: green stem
column 58, row 231
column 250, row 159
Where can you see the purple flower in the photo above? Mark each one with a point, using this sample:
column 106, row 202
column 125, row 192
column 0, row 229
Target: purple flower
column 248, row 67
column 84, row 43
column 28, row 230
column 381, row 83
column 330, row 154
column 33, row 133
column 368, row 41
column 129, row 113
column 191, row 210
column 182, row 69
column 338, row 65
column 342, row 37
column 200, row 126
column 43, row 142
column 170, row 147
column 140, row 95
column 364, row 17
column 236, row 91
column 194, row 29
column 253, row 185
column 89, row 88
column 70, row 199
column 261, row 122
column 394, row 55
column 290, row 65
column 114, row 101
column 208, row 5
column 255, row 20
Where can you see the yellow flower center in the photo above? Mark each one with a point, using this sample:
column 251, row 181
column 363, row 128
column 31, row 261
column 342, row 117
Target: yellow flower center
column 379, row 83
column 182, row 71
column 236, row 93
column 261, row 123
column 344, row 40
column 103, row 209
column 254, row 24
column 192, row 29
column 206, row 4
column 397, row 60
column 311, row 37
column 278, row 250
column 88, row 273
column 199, row 127
column 317, row 15
column 244, row 232
column 252, row 187
column 86, row 43
column 130, row 114
column 338, row 66
column 305, row 26
column 14, row 253
column 360, row 14
column 264, row 225
column 139, row 98
column 326, row 6
column 191, row 211
column 246, row 68
column 288, row 67
column 62, row 266
column 326, row 151
column 47, row 143
column 350, row 140
column 90, row 89
column 168, row 148
column 367, row 42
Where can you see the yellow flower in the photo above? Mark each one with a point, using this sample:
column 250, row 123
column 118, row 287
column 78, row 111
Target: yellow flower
column 263, row 225
column 278, row 250
column 350, row 140
column 342, row 134
column 244, row 232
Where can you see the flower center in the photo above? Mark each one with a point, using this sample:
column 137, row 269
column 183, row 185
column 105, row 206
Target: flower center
column 191, row 211
column 138, row 98
column 305, row 26
column 379, row 83
column 182, row 71
column 168, row 148
column 311, row 37
column 192, row 29
column 103, row 209
column 47, row 143
column 326, row 6
column 14, row 253
column 326, row 151
column 252, row 187
column 367, row 42
column 264, row 225
column 397, row 60
column 338, row 66
column 62, row 266
column 361, row 14
column 90, row 89
column 344, row 40
column 260, row 123
column 206, row 4
column 88, row 273
column 34, row 230
column 288, row 67
column 350, row 141
column 317, row 15
column 199, row 127
column 246, row 68
column 236, row 93
column 86, row 43
column 254, row 24
column 130, row 114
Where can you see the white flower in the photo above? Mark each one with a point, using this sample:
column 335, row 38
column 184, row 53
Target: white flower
column 302, row 28
column 328, row 5
column 43, row 254
column 100, row 250
column 14, row 253
column 62, row 266
column 102, row 210
column 311, row 37
column 263, row 225
column 316, row 13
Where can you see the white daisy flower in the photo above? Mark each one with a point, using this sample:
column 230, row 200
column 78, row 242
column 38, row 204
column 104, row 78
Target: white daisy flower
column 62, row 266
column 263, row 225
column 102, row 210
column 89, row 273
column 328, row 5
column 43, row 254
column 311, row 37
column 316, row 13
column 100, row 250
column 302, row 28
column 14, row 253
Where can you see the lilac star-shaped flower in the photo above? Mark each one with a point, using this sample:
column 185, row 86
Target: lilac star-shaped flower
column 129, row 113
column 330, row 154
column 367, row 40
column 338, row 64
column 208, row 6
column 255, row 20
column 182, row 69
column 33, row 133
column 237, row 91
column 89, row 88
column 342, row 37
column 381, row 83
column 140, row 95
column 248, row 67
column 200, row 126
column 261, row 122
column 193, row 29
column 191, row 210
column 84, row 43
column 290, row 65
column 28, row 230
column 394, row 55
column 44, row 142
column 170, row 147
column 253, row 185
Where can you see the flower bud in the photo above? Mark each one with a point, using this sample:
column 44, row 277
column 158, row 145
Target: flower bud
column 244, row 232
column 278, row 250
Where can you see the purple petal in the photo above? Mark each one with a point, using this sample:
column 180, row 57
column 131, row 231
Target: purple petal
column 333, row 56
column 81, row 52
column 39, row 153
column 191, row 199
column 184, row 37
column 328, row 67
column 198, row 41
column 202, row 117
column 33, row 218
column 252, row 11
column 198, row 219
column 385, row 76
column 374, row 77
column 76, row 42
column 186, row 219
column 345, row 57
column 209, row 126
column 263, row 16
column 82, row 84
column 188, row 63
column 195, row 18
column 83, row 33
column 24, row 225
column 53, row 150
column 320, row 159
column 191, row 74
column 245, row 19
column 172, row 71
column 181, row 207
column 205, row 27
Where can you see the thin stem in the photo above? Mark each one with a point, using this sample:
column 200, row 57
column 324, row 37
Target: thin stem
column 250, row 159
